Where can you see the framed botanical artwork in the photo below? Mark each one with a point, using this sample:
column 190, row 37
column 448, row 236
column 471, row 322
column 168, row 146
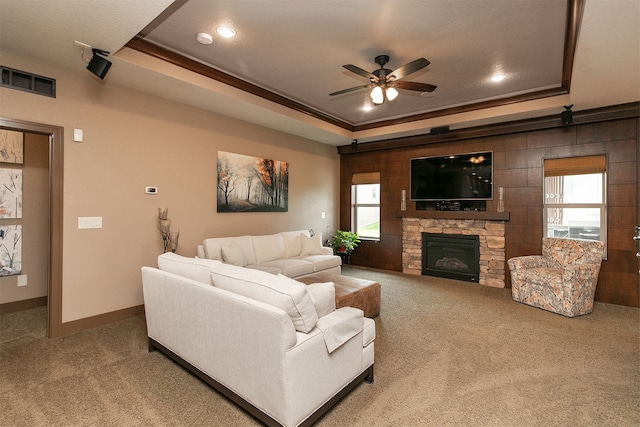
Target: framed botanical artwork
column 11, row 146
column 10, row 193
column 10, row 250
column 252, row 184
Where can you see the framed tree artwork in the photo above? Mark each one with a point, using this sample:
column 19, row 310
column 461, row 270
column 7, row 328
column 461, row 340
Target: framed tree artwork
column 252, row 184
column 10, row 250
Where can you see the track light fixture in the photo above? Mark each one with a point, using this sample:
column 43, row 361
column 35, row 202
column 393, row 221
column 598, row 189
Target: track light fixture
column 98, row 64
column 567, row 115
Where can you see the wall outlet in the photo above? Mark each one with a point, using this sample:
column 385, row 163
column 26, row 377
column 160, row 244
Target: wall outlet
column 324, row 215
column 22, row 280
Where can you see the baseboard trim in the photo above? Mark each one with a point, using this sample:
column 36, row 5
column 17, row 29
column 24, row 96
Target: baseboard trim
column 11, row 307
column 74, row 326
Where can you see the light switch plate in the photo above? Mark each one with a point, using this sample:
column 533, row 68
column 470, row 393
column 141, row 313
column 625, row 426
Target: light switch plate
column 78, row 135
column 89, row 222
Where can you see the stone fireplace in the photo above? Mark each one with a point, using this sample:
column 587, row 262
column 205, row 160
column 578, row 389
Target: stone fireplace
column 491, row 244
column 454, row 256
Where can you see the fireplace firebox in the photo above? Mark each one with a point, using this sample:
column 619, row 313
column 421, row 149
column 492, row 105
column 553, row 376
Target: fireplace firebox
column 453, row 256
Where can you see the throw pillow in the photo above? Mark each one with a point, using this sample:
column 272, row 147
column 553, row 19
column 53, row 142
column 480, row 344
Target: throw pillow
column 311, row 245
column 323, row 296
column 292, row 245
column 233, row 255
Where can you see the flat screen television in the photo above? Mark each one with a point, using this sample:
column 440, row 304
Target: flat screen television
column 454, row 177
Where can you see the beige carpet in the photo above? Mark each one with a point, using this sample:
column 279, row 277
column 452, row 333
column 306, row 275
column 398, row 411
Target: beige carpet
column 448, row 353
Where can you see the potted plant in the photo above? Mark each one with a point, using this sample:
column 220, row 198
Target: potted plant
column 344, row 241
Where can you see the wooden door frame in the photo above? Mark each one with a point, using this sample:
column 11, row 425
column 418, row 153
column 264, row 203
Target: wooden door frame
column 638, row 200
column 54, row 269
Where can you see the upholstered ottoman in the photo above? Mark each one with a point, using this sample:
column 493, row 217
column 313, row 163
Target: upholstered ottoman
column 350, row 291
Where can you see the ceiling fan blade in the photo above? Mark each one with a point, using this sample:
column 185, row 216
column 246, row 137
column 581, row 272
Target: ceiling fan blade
column 409, row 68
column 351, row 89
column 359, row 71
column 420, row 87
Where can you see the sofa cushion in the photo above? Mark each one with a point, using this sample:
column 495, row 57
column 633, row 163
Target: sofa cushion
column 292, row 243
column 279, row 291
column 290, row 267
column 268, row 248
column 323, row 296
column 311, row 245
column 233, row 255
column 323, row 262
column 193, row 268
column 272, row 270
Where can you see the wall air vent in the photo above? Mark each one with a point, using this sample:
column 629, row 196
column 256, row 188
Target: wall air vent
column 28, row 82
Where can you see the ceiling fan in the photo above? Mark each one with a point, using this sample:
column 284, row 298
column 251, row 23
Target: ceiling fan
column 385, row 82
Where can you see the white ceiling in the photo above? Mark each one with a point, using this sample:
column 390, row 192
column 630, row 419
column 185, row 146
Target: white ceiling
column 296, row 49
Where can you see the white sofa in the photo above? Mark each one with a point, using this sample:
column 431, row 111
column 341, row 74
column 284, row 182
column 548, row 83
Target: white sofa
column 292, row 253
column 276, row 347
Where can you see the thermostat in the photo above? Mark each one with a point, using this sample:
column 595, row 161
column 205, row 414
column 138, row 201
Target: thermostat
column 151, row 190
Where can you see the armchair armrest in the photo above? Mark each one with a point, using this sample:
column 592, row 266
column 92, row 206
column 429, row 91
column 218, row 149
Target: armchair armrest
column 580, row 278
column 526, row 262
column 579, row 283
column 519, row 267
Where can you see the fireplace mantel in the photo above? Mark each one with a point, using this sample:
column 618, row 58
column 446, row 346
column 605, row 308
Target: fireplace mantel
column 478, row 215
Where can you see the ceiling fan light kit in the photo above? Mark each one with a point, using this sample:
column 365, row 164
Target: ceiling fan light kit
column 383, row 81
column 377, row 96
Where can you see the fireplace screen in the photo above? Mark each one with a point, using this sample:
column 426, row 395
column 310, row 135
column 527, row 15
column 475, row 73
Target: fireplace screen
column 453, row 256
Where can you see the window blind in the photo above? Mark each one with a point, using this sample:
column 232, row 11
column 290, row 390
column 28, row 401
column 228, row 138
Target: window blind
column 575, row 165
column 366, row 178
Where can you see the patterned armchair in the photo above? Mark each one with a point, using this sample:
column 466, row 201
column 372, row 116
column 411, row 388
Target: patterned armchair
column 562, row 280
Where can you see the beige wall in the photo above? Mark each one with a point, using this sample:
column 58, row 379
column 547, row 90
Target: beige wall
column 132, row 140
column 34, row 221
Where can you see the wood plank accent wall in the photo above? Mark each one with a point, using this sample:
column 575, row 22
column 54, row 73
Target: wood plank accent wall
column 518, row 159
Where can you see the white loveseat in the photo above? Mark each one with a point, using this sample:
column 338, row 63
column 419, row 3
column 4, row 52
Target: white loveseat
column 292, row 253
column 274, row 346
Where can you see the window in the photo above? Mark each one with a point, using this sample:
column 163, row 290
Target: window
column 365, row 205
column 575, row 198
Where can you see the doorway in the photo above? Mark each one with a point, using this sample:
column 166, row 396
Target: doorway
column 54, row 267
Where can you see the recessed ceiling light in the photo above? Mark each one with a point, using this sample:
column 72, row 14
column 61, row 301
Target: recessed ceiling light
column 497, row 78
column 226, row 32
column 204, row 38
